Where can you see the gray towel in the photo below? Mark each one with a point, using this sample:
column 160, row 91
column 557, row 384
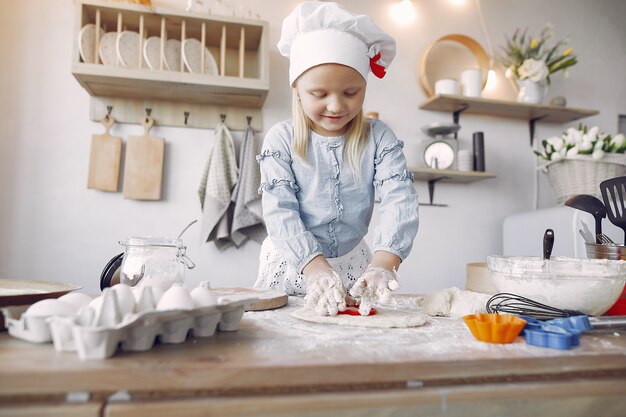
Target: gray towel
column 219, row 177
column 248, row 214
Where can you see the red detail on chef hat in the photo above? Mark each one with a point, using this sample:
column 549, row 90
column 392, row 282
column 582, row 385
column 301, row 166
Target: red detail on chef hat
column 377, row 69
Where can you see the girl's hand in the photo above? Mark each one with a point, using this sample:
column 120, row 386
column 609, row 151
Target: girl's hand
column 325, row 293
column 375, row 284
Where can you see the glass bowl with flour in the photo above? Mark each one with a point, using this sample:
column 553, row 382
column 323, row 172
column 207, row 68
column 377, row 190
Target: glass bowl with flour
column 590, row 286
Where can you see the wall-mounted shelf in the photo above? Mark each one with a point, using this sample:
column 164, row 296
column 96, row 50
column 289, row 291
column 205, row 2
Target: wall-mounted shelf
column 514, row 110
column 239, row 47
column 432, row 176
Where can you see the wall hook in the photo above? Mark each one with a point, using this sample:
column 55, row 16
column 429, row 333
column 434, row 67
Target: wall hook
column 249, row 119
column 109, row 110
column 148, row 111
column 223, row 117
column 186, row 117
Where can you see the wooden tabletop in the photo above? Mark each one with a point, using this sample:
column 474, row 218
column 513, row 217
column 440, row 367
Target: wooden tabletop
column 273, row 352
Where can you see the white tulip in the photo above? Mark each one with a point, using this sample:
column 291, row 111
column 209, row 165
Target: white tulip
column 556, row 142
column 591, row 134
column 573, row 136
column 585, row 145
column 573, row 151
column 556, row 156
column 618, row 141
column 597, row 154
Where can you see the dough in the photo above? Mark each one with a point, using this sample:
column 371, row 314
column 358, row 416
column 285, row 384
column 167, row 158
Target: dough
column 453, row 302
column 385, row 318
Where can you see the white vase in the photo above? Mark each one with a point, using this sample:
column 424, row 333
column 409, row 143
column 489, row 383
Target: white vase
column 531, row 92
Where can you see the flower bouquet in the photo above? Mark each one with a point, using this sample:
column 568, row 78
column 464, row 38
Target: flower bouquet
column 580, row 159
column 531, row 60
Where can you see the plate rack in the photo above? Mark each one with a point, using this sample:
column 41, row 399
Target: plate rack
column 178, row 97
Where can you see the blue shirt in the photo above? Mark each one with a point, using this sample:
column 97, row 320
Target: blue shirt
column 317, row 207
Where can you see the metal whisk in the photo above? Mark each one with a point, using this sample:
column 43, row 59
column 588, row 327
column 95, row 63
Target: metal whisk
column 507, row 303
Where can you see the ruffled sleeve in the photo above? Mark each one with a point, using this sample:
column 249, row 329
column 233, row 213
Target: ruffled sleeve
column 398, row 208
column 281, row 208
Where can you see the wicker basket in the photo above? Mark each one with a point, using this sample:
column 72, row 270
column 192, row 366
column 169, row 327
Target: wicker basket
column 569, row 177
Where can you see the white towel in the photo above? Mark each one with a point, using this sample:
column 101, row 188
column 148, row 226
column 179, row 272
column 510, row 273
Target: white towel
column 248, row 214
column 216, row 185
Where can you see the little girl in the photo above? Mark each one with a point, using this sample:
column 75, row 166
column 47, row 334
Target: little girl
column 320, row 170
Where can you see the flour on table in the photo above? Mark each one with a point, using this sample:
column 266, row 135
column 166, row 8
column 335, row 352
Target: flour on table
column 453, row 302
column 385, row 318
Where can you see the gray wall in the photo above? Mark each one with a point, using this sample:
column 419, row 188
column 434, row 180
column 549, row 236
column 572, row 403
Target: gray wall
column 52, row 227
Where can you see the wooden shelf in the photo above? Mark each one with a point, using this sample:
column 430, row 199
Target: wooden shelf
column 432, row 176
column 450, row 175
column 239, row 47
column 513, row 110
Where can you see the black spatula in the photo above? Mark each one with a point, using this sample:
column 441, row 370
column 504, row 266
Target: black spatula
column 614, row 196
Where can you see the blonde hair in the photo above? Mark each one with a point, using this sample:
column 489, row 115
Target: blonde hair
column 356, row 136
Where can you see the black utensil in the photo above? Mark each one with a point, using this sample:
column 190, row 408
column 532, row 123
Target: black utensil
column 548, row 243
column 589, row 204
column 507, row 303
column 614, row 196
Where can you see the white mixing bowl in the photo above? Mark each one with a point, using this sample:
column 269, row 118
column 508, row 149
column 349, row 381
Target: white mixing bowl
column 590, row 286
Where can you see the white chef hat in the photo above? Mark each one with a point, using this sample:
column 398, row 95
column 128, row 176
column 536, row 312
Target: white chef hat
column 321, row 33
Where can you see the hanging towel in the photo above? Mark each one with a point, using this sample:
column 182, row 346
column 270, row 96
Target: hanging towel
column 248, row 214
column 219, row 177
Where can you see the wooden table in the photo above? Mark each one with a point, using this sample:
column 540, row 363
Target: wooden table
column 276, row 365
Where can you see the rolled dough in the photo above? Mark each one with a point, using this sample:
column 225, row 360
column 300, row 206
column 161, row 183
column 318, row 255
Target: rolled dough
column 386, row 318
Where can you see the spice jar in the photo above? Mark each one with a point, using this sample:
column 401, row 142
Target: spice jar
column 159, row 261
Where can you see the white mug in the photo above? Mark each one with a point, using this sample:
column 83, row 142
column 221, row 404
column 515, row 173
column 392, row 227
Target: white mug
column 472, row 82
column 447, row 86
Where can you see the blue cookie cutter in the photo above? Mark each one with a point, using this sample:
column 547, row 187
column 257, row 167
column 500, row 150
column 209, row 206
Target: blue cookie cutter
column 560, row 333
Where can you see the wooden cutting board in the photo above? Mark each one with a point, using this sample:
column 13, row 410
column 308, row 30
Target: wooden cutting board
column 143, row 165
column 104, row 159
column 268, row 299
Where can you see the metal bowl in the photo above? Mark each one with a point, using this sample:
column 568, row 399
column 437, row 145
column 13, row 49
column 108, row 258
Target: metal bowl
column 614, row 252
column 590, row 286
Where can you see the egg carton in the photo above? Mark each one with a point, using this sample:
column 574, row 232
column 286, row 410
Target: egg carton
column 97, row 333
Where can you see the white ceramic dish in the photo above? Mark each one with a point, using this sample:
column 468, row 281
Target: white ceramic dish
column 127, row 49
column 152, row 54
column 172, row 54
column 87, row 43
column 107, row 50
column 590, row 286
column 192, row 55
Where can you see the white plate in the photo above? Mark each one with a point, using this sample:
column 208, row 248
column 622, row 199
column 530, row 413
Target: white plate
column 127, row 48
column 87, row 43
column 172, row 54
column 107, row 52
column 152, row 54
column 18, row 291
column 192, row 55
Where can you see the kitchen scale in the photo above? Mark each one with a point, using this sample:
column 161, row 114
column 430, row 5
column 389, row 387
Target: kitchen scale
column 440, row 150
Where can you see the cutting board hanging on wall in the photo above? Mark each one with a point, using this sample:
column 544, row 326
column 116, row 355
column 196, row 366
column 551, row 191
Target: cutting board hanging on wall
column 104, row 159
column 143, row 165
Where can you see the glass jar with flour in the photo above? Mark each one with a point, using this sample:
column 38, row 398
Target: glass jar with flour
column 159, row 261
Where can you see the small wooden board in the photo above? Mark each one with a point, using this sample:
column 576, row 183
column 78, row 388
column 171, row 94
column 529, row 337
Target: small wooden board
column 268, row 299
column 143, row 168
column 104, row 159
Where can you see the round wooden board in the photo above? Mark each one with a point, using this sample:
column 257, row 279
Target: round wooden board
column 268, row 299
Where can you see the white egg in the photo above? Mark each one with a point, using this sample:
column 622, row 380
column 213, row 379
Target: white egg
column 125, row 298
column 202, row 295
column 50, row 307
column 176, row 297
column 77, row 298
